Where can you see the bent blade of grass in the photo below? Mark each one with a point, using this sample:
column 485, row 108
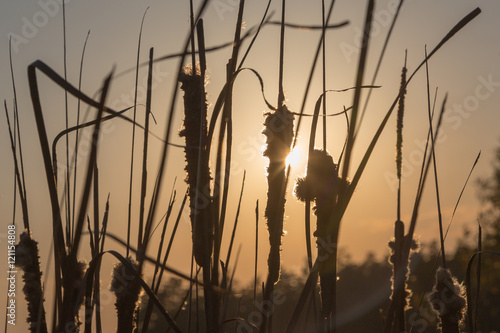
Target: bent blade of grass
column 66, row 316
column 58, row 235
column 89, row 173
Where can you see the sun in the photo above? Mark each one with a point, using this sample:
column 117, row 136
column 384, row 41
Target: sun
column 295, row 157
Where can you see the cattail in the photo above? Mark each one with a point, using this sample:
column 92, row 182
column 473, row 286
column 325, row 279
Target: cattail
column 127, row 289
column 401, row 294
column 278, row 129
column 448, row 300
column 195, row 133
column 321, row 184
column 27, row 260
column 401, row 111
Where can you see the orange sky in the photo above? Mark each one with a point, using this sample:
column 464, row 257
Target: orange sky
column 467, row 68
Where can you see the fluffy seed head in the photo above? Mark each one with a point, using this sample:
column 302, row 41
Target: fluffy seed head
column 447, row 297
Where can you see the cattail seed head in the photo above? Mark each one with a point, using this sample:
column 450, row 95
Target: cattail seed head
column 195, row 132
column 278, row 129
column 127, row 288
column 27, row 260
column 448, row 299
column 401, row 111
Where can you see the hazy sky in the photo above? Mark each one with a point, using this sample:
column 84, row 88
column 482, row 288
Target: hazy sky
column 467, row 68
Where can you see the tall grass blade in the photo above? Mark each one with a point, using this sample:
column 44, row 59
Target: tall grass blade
column 357, row 91
column 129, row 216
column 144, row 239
column 19, row 181
column 66, row 114
column 233, row 234
column 461, row 193
column 80, row 76
column 379, row 62
column 438, row 199
column 225, row 125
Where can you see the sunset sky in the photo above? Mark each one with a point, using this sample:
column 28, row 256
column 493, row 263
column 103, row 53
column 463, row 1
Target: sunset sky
column 467, row 68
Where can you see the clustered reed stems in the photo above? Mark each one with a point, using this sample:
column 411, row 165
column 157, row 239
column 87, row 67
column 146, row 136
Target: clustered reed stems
column 322, row 185
column 448, row 301
column 27, row 259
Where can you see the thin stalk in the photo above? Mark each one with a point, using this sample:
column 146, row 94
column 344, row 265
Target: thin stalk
column 129, row 216
column 18, row 144
column 225, row 125
column 235, row 221
column 309, row 79
column 281, row 94
column 193, row 25
column 478, row 273
column 66, row 113
column 77, row 134
column 145, row 239
column 438, row 199
column 24, row 203
column 357, row 91
column 256, row 253
column 379, row 63
column 323, row 35
column 157, row 281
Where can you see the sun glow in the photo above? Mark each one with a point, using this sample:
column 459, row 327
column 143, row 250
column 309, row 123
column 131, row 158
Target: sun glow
column 295, row 157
